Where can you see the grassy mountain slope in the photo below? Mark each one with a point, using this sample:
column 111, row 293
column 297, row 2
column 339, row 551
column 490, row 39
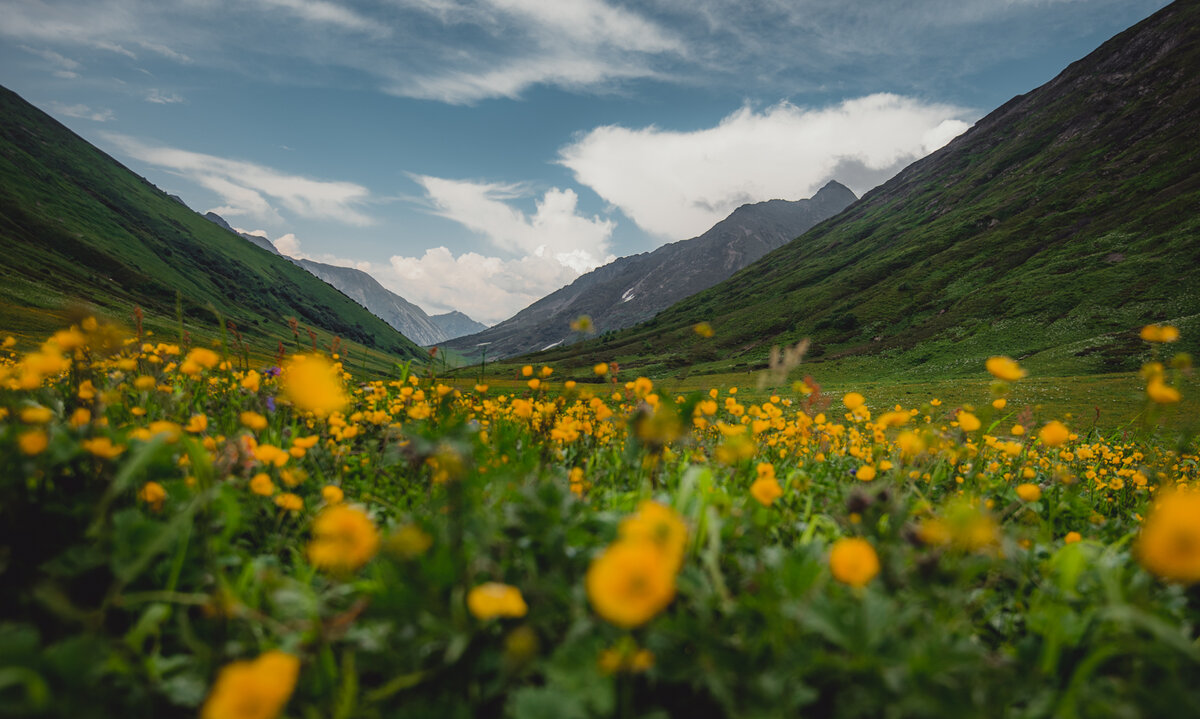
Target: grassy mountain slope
column 78, row 227
column 1051, row 230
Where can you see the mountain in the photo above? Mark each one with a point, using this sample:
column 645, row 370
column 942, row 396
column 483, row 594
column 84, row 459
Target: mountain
column 78, row 227
column 631, row 289
column 391, row 307
column 456, row 324
column 256, row 239
column 1050, row 231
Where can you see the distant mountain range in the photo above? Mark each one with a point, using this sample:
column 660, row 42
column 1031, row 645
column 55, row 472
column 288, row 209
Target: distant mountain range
column 632, row 289
column 364, row 289
column 79, row 229
column 1050, row 231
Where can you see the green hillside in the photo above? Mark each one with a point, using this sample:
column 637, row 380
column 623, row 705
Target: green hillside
column 1051, row 231
column 77, row 228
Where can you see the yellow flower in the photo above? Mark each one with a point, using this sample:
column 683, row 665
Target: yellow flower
column 1000, row 403
column 703, row 329
column 1054, row 434
column 893, row 419
column 527, row 371
column 344, row 539
column 409, row 541
column 534, row 383
column 491, row 600
column 853, row 400
column 253, row 420
column 197, row 424
column 659, row 525
column 270, row 454
column 968, row 421
column 198, row 360
column 1005, row 369
column 865, row 473
column 36, row 415
column 630, row 582
column 290, row 502
column 332, row 494
column 1072, row 537
column 1017, row 430
column 1029, row 492
column 256, row 689
column 314, row 385
column 853, row 561
column 766, row 490
column 582, row 323
column 153, row 494
column 1169, row 544
column 251, row 381
column 33, row 442
column 261, row 484
column 1160, row 333
column 102, row 447
column 80, row 417
column 1161, row 392
column 600, row 369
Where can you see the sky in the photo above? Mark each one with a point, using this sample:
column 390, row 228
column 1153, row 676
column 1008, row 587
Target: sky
column 476, row 156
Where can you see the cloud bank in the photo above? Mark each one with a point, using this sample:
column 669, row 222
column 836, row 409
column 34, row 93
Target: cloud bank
column 678, row 184
column 254, row 191
column 536, row 253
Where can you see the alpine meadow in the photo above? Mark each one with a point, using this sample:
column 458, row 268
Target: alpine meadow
column 927, row 447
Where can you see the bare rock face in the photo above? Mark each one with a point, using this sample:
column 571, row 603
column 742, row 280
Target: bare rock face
column 632, row 289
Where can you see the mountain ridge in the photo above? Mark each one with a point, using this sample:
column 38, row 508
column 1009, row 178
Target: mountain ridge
column 635, row 287
column 1052, row 229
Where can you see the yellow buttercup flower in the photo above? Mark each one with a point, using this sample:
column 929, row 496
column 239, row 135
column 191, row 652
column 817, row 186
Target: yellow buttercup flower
column 290, row 502
column 256, row 689
column 102, row 447
column 261, row 484
column 853, row 400
column 1159, row 333
column 630, row 583
column 332, row 494
column 1054, row 434
column 344, row 539
column 866, row 473
column 33, row 442
column 491, row 600
column 314, row 385
column 1169, row 543
column 600, row 369
column 1029, row 492
column 968, row 421
column 1005, row 368
column 153, row 494
column 253, row 420
column 36, row 415
column 660, row 526
column 1161, row 392
column 766, row 490
column 853, row 561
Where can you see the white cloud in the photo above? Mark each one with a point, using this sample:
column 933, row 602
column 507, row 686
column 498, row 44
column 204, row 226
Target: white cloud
column 245, row 186
column 678, row 184
column 289, row 245
column 545, row 250
column 324, row 13
column 83, row 112
column 488, row 289
column 159, row 97
column 554, row 231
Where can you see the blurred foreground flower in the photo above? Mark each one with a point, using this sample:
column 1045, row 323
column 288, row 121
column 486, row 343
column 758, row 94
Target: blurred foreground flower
column 493, row 599
column 1169, row 543
column 256, row 689
column 344, row 539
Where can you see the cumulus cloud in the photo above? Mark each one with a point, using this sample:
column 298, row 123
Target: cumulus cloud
column 678, row 184
column 245, row 187
column 83, row 112
column 488, row 289
column 554, row 230
column 535, row 253
column 290, row 245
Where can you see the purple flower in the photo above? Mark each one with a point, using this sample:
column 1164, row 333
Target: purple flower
column 270, row 404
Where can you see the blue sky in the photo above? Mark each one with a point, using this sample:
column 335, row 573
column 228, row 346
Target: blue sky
column 479, row 155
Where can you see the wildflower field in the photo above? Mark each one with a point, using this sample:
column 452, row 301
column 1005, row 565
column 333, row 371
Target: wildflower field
column 183, row 534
